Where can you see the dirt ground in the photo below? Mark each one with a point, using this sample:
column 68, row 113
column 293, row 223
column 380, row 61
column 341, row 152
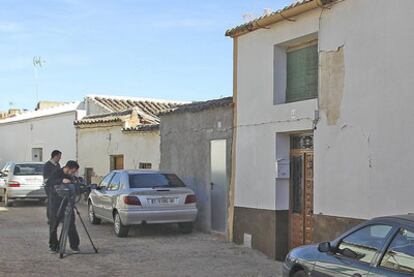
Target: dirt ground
column 149, row 251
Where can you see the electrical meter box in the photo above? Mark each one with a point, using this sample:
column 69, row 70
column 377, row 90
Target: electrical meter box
column 283, row 169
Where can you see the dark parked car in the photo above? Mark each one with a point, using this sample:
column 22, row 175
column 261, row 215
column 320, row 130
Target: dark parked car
column 382, row 246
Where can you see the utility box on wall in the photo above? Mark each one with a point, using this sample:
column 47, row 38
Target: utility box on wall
column 283, row 169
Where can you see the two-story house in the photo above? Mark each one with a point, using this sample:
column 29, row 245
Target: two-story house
column 323, row 93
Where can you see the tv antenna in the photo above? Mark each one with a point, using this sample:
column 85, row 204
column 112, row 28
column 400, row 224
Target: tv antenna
column 38, row 63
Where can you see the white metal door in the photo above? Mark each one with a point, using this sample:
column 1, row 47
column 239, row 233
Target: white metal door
column 219, row 186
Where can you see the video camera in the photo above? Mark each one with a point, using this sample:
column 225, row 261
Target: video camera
column 73, row 190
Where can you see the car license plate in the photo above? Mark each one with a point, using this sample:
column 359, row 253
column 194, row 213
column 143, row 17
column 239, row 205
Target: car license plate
column 163, row 200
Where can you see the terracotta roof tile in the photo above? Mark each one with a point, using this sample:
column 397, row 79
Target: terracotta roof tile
column 150, row 106
column 103, row 118
column 143, row 128
column 257, row 22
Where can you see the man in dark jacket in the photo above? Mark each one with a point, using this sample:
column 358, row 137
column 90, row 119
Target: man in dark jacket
column 51, row 166
column 61, row 176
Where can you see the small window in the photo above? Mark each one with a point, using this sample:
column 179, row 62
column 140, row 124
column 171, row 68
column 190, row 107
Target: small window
column 106, row 180
column 362, row 245
column 145, row 165
column 400, row 254
column 115, row 182
column 88, row 175
column 302, row 73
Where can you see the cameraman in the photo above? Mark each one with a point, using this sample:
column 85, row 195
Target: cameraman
column 61, row 176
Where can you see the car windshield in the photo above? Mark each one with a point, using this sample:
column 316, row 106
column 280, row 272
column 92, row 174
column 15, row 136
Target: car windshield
column 28, row 169
column 154, row 180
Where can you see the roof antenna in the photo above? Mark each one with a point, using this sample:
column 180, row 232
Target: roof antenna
column 37, row 63
column 247, row 17
column 267, row 11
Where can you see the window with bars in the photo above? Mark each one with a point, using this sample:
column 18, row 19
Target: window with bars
column 145, row 165
column 302, row 73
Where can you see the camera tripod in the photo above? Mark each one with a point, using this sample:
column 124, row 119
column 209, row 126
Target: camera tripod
column 69, row 212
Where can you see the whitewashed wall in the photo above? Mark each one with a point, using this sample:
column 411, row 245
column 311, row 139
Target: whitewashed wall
column 50, row 132
column 364, row 163
column 97, row 144
column 259, row 120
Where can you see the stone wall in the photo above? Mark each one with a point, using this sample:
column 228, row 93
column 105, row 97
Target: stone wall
column 185, row 150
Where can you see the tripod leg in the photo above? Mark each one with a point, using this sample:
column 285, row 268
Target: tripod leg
column 58, row 215
column 64, row 232
column 86, row 230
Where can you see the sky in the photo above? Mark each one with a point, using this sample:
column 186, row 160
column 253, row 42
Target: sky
column 167, row 49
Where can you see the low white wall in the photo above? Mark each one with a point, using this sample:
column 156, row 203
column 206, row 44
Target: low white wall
column 95, row 145
column 49, row 133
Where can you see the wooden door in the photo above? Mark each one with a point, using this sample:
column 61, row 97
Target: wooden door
column 117, row 162
column 301, row 198
column 88, row 175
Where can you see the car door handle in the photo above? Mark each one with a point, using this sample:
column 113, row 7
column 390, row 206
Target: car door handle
column 357, row 275
column 211, row 185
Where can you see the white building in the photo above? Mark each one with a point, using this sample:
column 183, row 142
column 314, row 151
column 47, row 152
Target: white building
column 32, row 136
column 119, row 133
column 324, row 94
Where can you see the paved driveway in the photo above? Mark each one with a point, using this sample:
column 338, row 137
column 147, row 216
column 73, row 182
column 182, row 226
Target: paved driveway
column 149, row 251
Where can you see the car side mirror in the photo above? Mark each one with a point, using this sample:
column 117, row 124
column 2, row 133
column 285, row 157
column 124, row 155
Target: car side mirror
column 325, row 247
column 94, row 186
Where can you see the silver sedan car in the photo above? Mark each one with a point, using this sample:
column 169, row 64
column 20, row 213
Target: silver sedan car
column 22, row 181
column 129, row 197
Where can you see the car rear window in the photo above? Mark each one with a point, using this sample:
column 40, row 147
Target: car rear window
column 154, row 180
column 28, row 169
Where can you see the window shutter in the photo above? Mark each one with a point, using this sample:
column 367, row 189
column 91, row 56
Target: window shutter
column 302, row 74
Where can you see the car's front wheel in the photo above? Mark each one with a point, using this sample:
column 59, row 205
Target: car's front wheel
column 7, row 201
column 185, row 227
column 91, row 215
column 120, row 229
